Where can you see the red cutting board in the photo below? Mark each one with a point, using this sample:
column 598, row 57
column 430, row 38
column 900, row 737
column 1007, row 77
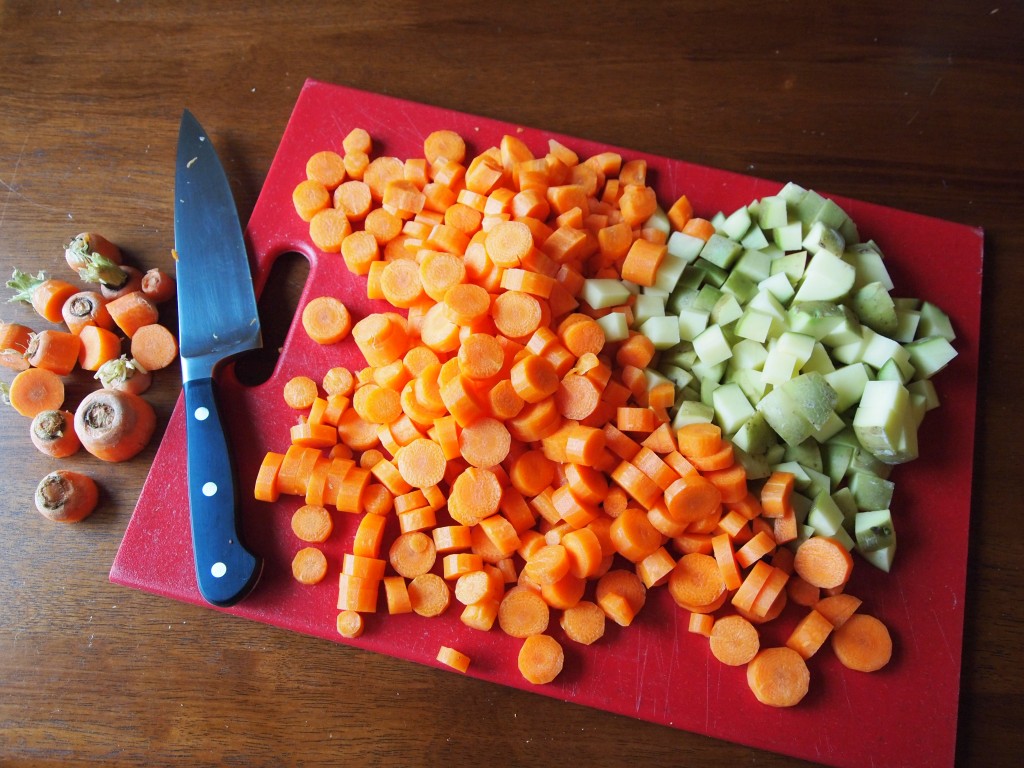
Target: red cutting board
column 654, row 670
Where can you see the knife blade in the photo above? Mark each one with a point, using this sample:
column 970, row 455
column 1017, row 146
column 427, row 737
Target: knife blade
column 217, row 319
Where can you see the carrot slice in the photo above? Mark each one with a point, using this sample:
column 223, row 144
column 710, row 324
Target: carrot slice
column 778, row 677
column 734, row 640
column 541, row 659
column 862, row 643
column 823, row 562
column 523, row 613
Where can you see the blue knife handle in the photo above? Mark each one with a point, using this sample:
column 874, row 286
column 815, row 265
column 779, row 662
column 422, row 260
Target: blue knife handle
column 225, row 569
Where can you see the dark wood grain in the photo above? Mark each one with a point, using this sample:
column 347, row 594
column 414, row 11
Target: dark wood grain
column 916, row 105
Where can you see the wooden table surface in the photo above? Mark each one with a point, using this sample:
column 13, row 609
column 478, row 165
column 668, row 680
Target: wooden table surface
column 916, row 105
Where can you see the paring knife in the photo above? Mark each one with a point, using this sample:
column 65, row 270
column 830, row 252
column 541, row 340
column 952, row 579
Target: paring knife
column 217, row 320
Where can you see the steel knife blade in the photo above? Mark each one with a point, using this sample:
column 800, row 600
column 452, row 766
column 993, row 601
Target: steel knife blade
column 217, row 319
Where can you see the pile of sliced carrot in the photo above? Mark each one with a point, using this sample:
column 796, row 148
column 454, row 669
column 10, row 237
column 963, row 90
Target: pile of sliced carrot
column 528, row 466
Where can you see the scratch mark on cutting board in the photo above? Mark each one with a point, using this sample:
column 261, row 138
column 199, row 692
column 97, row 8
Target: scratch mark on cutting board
column 641, row 674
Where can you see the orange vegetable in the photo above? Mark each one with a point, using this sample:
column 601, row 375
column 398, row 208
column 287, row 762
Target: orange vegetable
column 132, row 311
column 823, row 562
column 412, row 554
column 838, row 608
column 583, row 623
column 312, row 523
column 14, row 340
column 523, row 613
column 89, row 248
column 453, row 658
column 809, row 634
column 46, row 295
column 98, row 346
column 158, row 286
column 429, row 595
column 621, row 594
column 541, row 659
column 326, row 320
column 54, row 350
column 86, row 308
column 129, row 280
column 114, row 425
column 154, row 346
column 350, row 624
column 696, row 583
column 35, row 390
column 124, row 374
column 53, row 433
column 778, row 677
column 309, row 198
column 862, row 643
column 309, row 566
column 300, row 392
column 734, row 640
column 65, row 496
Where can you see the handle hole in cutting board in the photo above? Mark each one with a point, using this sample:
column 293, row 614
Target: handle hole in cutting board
column 277, row 304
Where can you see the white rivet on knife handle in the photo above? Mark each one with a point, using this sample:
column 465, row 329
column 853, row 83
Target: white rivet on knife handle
column 202, row 414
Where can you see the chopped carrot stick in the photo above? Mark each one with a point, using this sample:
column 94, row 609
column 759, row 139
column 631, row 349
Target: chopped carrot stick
column 776, row 494
column 328, row 229
column 396, row 595
column 838, row 608
column 734, row 640
column 778, row 677
column 450, row 657
column 759, row 545
column 809, row 634
column 516, row 314
column 485, row 442
column 699, row 439
column 474, row 587
column 621, row 595
column 692, row 498
column 356, row 593
column 698, row 227
column 643, row 261
column 722, row 549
